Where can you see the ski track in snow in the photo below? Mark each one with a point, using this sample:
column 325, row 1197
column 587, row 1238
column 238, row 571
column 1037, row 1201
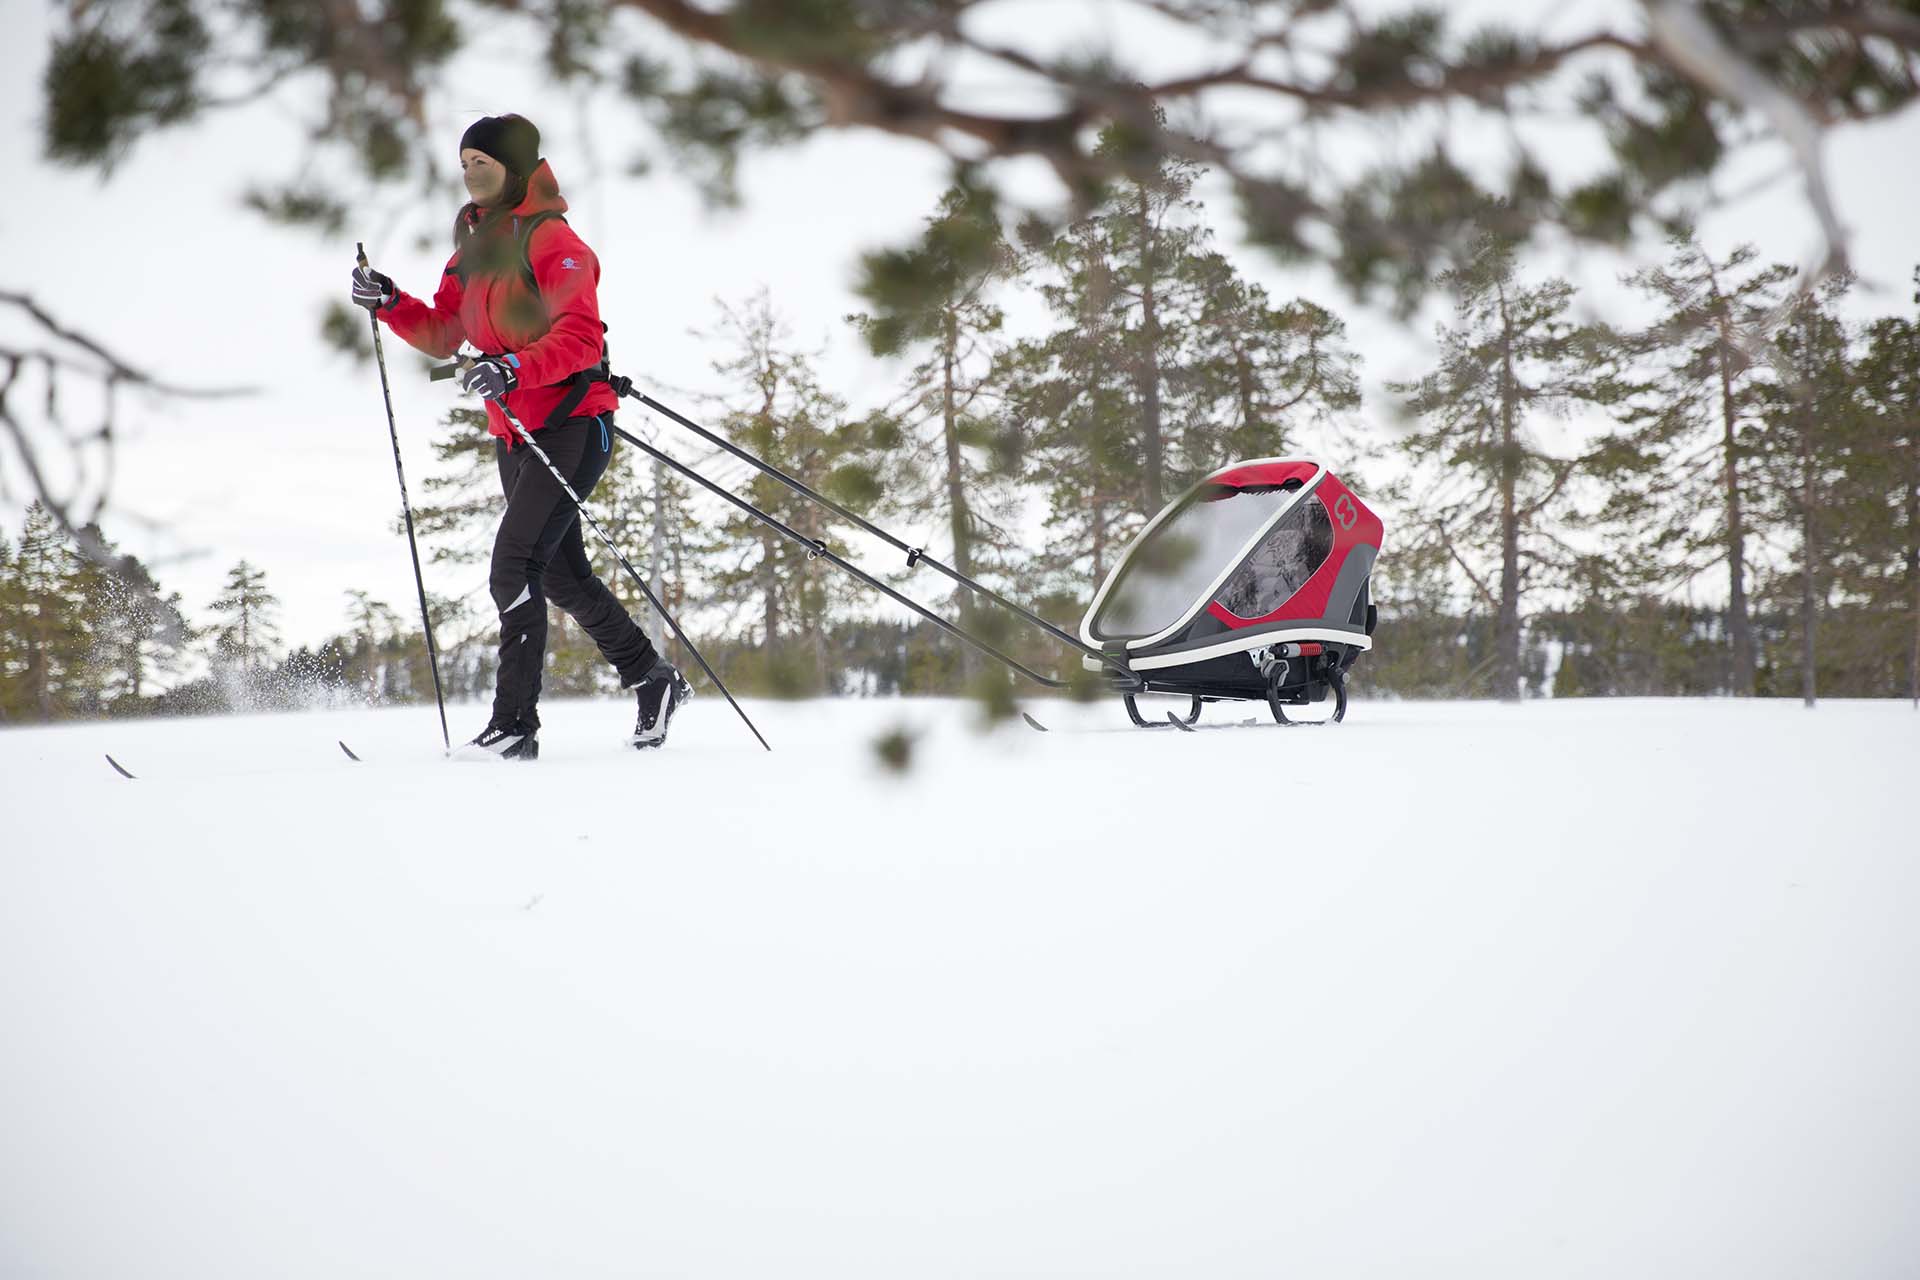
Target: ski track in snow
column 1566, row 989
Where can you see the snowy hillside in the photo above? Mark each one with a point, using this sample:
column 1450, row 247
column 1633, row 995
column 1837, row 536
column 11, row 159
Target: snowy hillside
column 1569, row 989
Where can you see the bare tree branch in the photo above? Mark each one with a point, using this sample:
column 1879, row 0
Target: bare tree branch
column 93, row 475
column 1493, row 601
column 1690, row 43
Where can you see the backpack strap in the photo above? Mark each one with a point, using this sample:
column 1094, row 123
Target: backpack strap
column 582, row 382
column 533, row 223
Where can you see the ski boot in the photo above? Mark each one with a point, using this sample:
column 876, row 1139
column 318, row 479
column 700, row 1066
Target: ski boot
column 659, row 694
column 511, row 741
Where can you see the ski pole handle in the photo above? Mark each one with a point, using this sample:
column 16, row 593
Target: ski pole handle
column 441, row 372
column 360, row 253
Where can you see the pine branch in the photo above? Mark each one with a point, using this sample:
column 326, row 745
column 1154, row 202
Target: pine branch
column 1480, row 586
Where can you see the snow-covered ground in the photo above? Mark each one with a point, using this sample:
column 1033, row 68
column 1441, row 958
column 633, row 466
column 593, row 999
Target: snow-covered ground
column 1570, row 989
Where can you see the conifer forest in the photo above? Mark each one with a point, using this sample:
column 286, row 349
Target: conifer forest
column 1718, row 495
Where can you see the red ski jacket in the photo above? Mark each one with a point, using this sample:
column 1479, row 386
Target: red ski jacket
column 483, row 298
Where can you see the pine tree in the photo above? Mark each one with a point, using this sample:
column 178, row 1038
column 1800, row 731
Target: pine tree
column 1488, row 486
column 463, row 502
column 944, row 455
column 1073, row 395
column 1155, row 237
column 1681, row 470
column 1128, row 282
column 13, row 635
column 1814, row 418
column 1889, row 371
column 648, row 511
column 1163, row 364
column 371, row 624
column 246, row 637
column 679, row 546
column 54, row 635
column 777, row 410
column 939, row 299
column 455, row 524
column 1261, row 380
column 139, row 631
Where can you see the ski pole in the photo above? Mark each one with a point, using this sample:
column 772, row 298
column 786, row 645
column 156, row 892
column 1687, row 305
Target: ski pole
column 915, row 555
column 586, row 518
column 817, row 548
column 419, row 583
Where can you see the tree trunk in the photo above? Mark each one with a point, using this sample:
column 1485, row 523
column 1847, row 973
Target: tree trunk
column 657, row 571
column 1148, row 367
column 957, row 521
column 1809, row 556
column 1099, row 542
column 822, row 673
column 1739, row 625
column 1507, row 630
column 37, row 680
column 679, row 588
column 769, row 550
column 1243, row 376
column 770, row 587
column 1913, row 582
column 1507, row 633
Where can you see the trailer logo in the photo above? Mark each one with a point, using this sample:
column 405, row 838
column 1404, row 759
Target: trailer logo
column 1343, row 511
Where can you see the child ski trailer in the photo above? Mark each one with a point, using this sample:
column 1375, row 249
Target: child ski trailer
column 1254, row 584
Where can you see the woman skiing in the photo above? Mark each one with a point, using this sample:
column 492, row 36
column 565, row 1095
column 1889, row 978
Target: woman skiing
column 521, row 287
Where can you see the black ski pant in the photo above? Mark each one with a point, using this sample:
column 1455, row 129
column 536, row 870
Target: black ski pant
column 539, row 555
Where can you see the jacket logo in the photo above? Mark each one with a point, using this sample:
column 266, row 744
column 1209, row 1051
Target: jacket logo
column 569, row 264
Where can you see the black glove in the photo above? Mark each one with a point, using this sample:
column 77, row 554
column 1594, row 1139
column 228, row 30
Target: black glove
column 372, row 290
column 492, row 377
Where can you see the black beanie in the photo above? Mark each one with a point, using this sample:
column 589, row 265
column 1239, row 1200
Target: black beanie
column 512, row 140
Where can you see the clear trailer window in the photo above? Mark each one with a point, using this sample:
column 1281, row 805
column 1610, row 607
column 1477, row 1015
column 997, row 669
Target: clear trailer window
column 1178, row 562
column 1297, row 545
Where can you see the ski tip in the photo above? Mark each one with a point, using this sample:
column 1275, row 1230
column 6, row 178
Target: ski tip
column 1178, row 723
column 119, row 768
column 1032, row 723
column 349, row 750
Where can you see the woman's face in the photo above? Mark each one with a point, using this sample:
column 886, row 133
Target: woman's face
column 485, row 177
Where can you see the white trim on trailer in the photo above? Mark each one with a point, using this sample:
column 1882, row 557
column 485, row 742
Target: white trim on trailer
column 1239, row 644
column 1206, row 598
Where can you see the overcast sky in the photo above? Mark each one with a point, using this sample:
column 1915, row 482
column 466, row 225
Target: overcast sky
column 163, row 264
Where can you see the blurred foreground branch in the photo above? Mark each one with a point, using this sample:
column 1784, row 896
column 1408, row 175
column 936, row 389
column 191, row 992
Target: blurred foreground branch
column 67, row 457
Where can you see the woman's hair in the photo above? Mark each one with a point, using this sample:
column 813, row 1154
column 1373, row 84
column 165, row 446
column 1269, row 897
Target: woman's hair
column 465, row 224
